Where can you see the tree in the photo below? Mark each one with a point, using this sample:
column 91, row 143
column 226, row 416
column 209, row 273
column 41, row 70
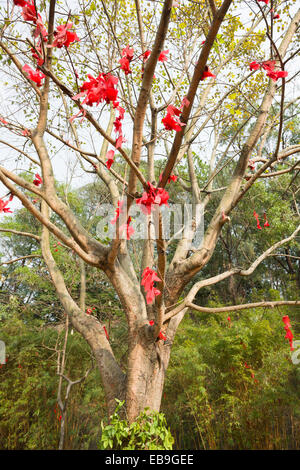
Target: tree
column 119, row 60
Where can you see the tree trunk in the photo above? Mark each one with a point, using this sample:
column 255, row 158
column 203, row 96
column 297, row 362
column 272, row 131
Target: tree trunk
column 147, row 365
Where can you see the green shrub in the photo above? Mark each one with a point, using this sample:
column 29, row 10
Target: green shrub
column 148, row 432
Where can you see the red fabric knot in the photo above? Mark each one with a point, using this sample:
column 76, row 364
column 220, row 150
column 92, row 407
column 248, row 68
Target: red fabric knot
column 152, row 196
column 38, row 180
column 149, row 276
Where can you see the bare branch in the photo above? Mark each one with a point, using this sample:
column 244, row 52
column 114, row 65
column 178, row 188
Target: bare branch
column 20, row 259
column 24, row 234
column 198, row 72
column 20, row 68
column 220, row 277
column 235, row 308
column 21, row 151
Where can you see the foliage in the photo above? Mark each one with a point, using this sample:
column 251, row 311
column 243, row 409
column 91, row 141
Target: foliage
column 148, row 432
column 29, row 414
column 233, row 384
column 210, row 401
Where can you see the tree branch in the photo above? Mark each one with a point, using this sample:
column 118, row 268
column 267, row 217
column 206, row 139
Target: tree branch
column 24, row 234
column 20, row 258
column 235, row 308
